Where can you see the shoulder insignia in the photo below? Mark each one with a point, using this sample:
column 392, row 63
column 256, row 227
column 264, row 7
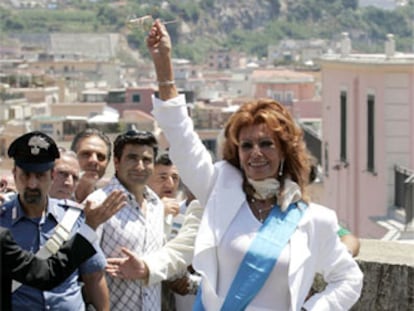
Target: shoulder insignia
column 8, row 205
column 3, row 209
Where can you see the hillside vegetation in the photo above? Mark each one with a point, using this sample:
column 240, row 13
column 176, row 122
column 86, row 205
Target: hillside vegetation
column 248, row 25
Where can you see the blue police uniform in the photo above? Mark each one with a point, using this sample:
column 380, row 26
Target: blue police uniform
column 31, row 234
column 36, row 152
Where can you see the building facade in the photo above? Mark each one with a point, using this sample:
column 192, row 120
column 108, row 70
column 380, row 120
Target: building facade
column 368, row 129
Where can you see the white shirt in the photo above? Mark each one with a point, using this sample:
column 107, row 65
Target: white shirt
column 231, row 251
column 142, row 235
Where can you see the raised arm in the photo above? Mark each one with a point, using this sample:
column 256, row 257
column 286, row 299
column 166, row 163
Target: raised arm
column 186, row 148
column 159, row 46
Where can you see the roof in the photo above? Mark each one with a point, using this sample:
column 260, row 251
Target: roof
column 109, row 115
column 280, row 76
column 128, row 114
column 375, row 59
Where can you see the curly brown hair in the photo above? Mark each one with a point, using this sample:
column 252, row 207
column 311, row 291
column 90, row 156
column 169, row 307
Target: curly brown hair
column 286, row 131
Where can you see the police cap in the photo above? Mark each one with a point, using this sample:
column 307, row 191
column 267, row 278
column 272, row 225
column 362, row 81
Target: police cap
column 34, row 152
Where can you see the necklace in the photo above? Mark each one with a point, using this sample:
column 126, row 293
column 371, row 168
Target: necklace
column 260, row 208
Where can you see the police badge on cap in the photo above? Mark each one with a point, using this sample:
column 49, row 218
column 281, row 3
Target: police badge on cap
column 34, row 152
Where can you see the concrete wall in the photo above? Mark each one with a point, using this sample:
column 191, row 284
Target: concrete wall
column 388, row 269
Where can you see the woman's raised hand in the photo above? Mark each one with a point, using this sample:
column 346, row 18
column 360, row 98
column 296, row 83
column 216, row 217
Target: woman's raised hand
column 159, row 42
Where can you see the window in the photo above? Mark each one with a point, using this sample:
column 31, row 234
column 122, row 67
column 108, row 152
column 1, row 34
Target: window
column 370, row 133
column 116, row 97
column 278, row 96
column 326, row 159
column 211, row 145
column 343, row 120
column 289, row 97
column 136, row 98
column 12, row 113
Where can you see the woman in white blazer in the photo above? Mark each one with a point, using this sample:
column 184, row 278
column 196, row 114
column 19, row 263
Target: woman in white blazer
column 254, row 199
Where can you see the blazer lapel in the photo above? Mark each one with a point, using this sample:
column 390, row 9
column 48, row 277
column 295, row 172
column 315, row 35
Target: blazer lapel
column 224, row 202
column 229, row 202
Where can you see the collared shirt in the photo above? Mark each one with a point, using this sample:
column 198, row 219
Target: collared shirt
column 141, row 234
column 32, row 233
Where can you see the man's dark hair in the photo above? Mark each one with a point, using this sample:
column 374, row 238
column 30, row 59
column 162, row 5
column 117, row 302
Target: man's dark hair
column 88, row 133
column 133, row 137
column 164, row 159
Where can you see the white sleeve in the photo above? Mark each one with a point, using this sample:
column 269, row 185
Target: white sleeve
column 187, row 151
column 339, row 269
column 174, row 257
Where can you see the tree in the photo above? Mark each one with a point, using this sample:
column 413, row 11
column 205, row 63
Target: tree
column 12, row 24
column 350, row 4
column 275, row 6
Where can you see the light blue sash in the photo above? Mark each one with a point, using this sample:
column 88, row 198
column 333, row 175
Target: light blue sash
column 198, row 303
column 260, row 259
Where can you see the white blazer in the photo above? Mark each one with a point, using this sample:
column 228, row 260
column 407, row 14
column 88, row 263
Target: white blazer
column 315, row 247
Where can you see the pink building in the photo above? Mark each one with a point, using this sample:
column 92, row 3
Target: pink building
column 368, row 128
column 131, row 98
column 297, row 90
column 284, row 85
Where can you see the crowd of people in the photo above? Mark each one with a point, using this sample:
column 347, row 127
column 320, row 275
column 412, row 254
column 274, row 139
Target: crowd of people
column 240, row 233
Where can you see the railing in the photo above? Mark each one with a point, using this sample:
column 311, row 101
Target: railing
column 404, row 191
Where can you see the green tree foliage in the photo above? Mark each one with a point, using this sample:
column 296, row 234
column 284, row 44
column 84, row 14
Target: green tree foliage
column 350, row 4
column 207, row 4
column 275, row 5
column 13, row 24
column 381, row 22
column 187, row 10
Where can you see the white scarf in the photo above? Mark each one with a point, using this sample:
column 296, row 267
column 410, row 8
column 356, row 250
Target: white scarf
column 265, row 189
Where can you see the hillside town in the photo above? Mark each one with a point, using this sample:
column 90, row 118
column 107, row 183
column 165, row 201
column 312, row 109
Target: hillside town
column 62, row 83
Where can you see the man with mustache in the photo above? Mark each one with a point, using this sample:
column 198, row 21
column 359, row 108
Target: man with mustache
column 45, row 273
column 140, row 225
column 32, row 217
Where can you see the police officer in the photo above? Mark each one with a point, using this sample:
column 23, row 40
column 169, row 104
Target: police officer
column 32, row 217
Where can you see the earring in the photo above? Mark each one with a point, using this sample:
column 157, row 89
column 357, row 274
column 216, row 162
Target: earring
column 282, row 163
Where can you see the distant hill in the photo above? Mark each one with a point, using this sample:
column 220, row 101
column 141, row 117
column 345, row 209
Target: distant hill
column 246, row 25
